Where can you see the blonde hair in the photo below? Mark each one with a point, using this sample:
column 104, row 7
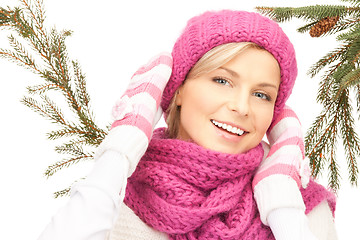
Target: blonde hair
column 209, row 62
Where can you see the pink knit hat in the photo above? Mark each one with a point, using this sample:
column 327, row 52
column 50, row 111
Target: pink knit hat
column 211, row 29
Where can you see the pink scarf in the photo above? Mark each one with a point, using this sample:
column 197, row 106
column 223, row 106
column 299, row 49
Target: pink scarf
column 190, row 192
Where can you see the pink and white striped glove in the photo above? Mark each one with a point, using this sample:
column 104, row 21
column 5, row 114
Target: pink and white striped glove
column 284, row 169
column 138, row 111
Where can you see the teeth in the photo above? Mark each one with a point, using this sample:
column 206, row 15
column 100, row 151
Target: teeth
column 228, row 128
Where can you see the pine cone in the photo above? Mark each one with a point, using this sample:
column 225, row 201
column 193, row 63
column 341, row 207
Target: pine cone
column 323, row 26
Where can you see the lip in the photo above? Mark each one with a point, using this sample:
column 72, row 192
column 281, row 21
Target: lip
column 227, row 135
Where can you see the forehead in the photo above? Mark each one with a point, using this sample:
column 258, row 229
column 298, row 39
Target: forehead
column 253, row 61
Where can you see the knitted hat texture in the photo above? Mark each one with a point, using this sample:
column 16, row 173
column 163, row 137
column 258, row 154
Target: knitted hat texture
column 214, row 28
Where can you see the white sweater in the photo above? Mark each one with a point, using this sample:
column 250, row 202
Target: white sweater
column 95, row 210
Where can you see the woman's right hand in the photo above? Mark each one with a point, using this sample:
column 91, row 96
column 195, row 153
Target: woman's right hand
column 138, row 111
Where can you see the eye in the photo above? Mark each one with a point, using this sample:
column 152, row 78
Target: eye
column 221, row 80
column 262, row 96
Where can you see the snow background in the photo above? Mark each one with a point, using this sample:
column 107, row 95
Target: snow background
column 111, row 40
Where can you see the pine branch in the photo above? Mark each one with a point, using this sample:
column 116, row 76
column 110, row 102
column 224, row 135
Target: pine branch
column 341, row 73
column 39, row 16
column 351, row 79
column 320, row 141
column 357, row 96
column 52, row 169
column 54, row 111
column 22, row 53
column 38, row 107
column 334, row 177
column 351, row 35
column 309, row 13
column 356, row 3
column 336, row 55
column 80, row 83
column 62, row 193
column 350, row 138
column 343, row 24
column 16, row 58
column 66, row 191
column 73, row 150
column 31, row 40
column 42, row 88
column 66, row 133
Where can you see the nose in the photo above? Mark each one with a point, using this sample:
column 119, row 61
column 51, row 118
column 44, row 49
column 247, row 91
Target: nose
column 239, row 104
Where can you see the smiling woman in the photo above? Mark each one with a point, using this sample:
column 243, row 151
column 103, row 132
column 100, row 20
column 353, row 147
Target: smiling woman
column 109, row 52
column 202, row 183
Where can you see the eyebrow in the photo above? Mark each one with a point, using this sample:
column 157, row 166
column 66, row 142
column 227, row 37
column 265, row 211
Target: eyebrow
column 268, row 85
column 235, row 74
column 230, row 71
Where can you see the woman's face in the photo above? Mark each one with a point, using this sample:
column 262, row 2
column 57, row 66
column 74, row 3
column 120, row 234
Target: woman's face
column 230, row 109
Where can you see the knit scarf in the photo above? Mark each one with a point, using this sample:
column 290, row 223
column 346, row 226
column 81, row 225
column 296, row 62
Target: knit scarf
column 189, row 192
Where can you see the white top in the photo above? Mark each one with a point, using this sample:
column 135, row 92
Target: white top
column 95, row 210
column 94, row 202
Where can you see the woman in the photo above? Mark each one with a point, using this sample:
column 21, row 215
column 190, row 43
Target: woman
column 232, row 72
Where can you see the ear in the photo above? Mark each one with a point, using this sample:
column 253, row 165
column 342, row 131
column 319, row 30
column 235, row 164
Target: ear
column 178, row 96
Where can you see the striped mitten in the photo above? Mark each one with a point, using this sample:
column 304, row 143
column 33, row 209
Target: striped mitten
column 138, row 111
column 283, row 171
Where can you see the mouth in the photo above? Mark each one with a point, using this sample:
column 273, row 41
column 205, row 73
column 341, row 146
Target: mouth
column 228, row 128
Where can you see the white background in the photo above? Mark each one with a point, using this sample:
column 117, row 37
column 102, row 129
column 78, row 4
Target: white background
column 111, row 40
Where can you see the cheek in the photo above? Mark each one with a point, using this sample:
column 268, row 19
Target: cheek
column 264, row 118
column 194, row 111
column 198, row 100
